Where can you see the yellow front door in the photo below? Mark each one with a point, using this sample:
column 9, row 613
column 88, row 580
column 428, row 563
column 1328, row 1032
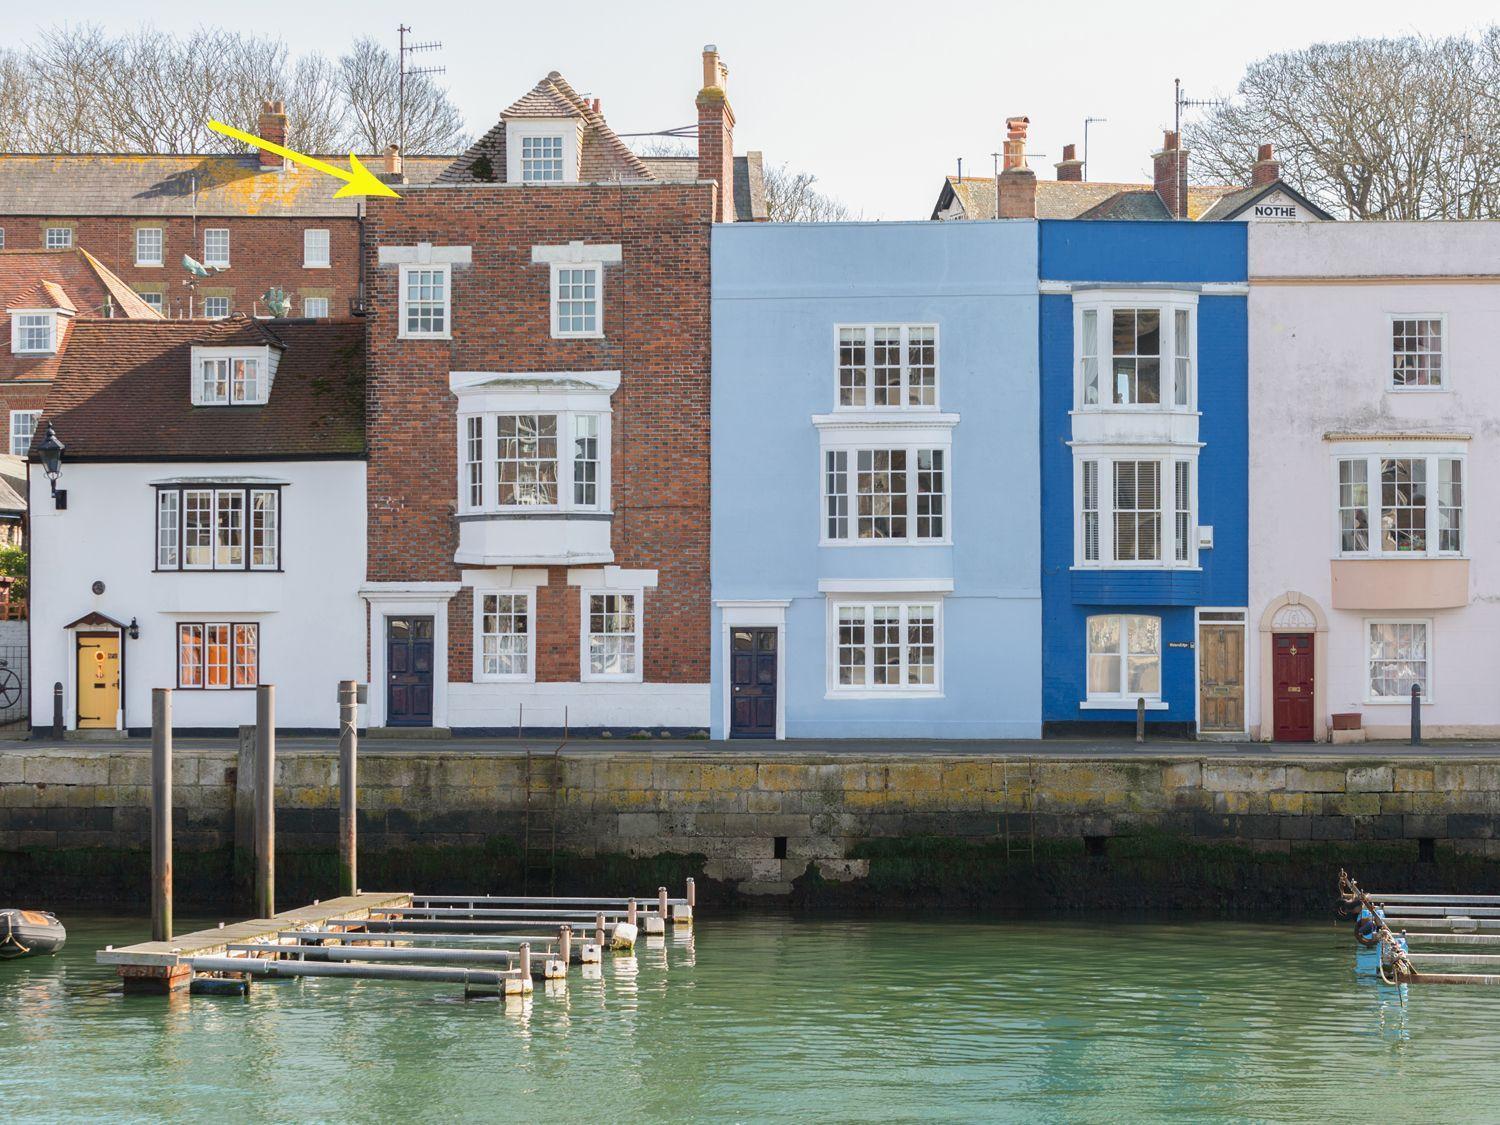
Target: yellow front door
column 98, row 681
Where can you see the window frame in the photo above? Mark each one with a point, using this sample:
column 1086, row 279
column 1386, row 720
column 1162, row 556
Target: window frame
column 216, row 316
column 221, row 263
column 1105, row 458
column 202, row 355
column 869, row 328
column 1124, row 699
column 403, row 332
column 1104, row 303
column 489, row 461
column 833, row 689
column 1433, row 458
column 561, row 158
column 161, row 248
column 585, row 635
column 18, row 330
column 153, row 299
column 1444, row 354
column 66, row 243
column 247, row 491
column 35, row 417
column 555, row 301
column 938, row 442
column 529, row 675
column 233, row 666
column 1369, row 698
column 309, row 262
column 316, row 315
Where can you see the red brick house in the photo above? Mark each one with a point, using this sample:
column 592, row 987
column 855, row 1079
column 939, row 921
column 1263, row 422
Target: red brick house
column 255, row 220
column 538, row 426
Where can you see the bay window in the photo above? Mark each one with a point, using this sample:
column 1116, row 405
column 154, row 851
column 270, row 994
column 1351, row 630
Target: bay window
column 885, row 495
column 1136, row 509
column 218, row 656
column 887, row 366
column 1124, row 658
column 1400, row 505
column 1148, row 348
column 1397, row 656
column 218, row 527
column 549, row 460
column 884, row 646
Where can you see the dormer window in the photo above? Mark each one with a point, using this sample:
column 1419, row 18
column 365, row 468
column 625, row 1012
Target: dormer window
column 231, row 377
column 541, row 159
column 542, row 150
column 33, row 331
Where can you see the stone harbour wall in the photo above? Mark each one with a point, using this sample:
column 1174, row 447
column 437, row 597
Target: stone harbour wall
column 814, row 827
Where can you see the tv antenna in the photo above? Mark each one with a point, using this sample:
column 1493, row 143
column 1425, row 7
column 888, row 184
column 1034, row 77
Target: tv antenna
column 1087, row 121
column 402, row 71
column 1180, row 102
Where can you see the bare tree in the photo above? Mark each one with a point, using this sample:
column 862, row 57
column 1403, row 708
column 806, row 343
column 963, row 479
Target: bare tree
column 1371, row 128
column 368, row 77
column 791, row 198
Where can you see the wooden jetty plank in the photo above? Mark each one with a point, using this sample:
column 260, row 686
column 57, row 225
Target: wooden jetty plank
column 1451, row 939
column 446, row 912
column 345, row 937
column 385, row 953
column 455, row 925
column 1467, row 958
column 643, row 902
column 1438, row 911
column 1416, row 900
column 165, row 954
column 264, row 967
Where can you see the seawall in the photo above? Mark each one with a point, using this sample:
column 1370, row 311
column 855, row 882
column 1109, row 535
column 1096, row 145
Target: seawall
column 1171, row 832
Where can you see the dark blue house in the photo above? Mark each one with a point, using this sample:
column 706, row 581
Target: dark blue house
column 1144, row 475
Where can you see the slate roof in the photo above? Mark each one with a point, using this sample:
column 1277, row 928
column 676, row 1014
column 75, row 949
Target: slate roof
column 142, row 184
column 1236, row 202
column 72, row 280
column 1074, row 199
column 749, row 181
column 123, row 392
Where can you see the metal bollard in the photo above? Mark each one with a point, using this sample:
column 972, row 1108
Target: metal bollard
column 161, row 814
column 1416, row 714
column 630, row 912
column 692, row 893
column 348, row 787
column 599, row 930
column 565, row 944
column 526, row 960
column 661, row 903
column 57, row 714
column 1140, row 718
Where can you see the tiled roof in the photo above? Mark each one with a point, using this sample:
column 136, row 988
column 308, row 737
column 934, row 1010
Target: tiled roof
column 604, row 159
column 123, row 392
column 749, row 180
column 1074, row 199
column 137, row 184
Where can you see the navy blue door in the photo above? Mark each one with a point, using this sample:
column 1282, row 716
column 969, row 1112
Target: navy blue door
column 408, row 664
column 752, row 684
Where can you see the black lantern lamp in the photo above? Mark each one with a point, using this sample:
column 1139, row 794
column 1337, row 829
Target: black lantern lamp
column 52, row 451
column 134, row 629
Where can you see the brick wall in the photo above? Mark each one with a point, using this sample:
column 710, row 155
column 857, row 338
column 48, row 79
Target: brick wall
column 262, row 252
column 656, row 334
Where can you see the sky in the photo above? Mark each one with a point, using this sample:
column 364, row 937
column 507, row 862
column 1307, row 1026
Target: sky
column 878, row 99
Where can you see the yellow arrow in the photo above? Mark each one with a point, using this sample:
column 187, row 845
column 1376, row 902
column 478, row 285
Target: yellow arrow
column 359, row 180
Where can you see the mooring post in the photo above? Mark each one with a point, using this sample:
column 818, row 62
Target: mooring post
column 630, row 912
column 265, row 801
column 161, row 814
column 57, row 710
column 599, row 930
column 661, row 903
column 526, row 960
column 692, row 893
column 565, row 944
column 1140, row 718
column 348, row 810
column 1416, row 714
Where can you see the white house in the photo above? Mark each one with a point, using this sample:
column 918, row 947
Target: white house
column 1374, row 543
column 207, row 528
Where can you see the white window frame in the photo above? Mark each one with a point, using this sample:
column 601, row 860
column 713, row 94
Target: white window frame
column 521, row 591
column 25, row 448
column 906, row 600
column 585, row 651
column 153, row 299
column 262, row 356
column 1124, row 699
column 18, row 330
column 212, row 315
column 403, row 332
column 516, row 132
column 161, row 247
column 313, row 312
column 555, row 302
column 57, row 238
column 1104, row 302
column 851, row 495
column 311, row 259
column 904, row 387
column 1372, row 457
column 1404, row 698
column 1105, row 458
column 1445, row 354
column 2, row 238
column 850, row 431
column 212, row 261
column 169, row 535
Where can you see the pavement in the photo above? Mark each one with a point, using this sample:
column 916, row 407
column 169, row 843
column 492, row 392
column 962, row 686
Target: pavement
column 804, row 748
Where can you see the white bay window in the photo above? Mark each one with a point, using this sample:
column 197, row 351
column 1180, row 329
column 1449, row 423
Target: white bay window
column 1136, row 350
column 1135, row 508
column 218, row 527
column 1400, row 504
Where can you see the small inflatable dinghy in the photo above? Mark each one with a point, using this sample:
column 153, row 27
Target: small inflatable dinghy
column 28, row 933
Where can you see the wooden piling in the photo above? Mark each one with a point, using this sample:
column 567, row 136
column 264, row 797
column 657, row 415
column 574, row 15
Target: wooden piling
column 661, row 902
column 630, row 912
column 348, row 787
column 599, row 930
column 161, row 814
column 692, row 893
column 265, row 800
column 526, row 960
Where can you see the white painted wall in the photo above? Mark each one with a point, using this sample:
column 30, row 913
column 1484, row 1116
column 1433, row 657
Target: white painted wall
column 312, row 620
column 1319, row 363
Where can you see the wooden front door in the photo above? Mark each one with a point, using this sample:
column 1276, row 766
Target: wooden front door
column 408, row 671
column 98, row 681
column 1292, row 687
column 1221, row 678
column 752, row 683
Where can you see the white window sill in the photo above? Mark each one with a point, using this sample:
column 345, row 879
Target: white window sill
column 611, row 679
column 534, row 510
column 1121, row 704
column 885, row 542
column 1398, row 701
column 528, row 678
column 1399, row 556
column 578, row 335
column 424, row 335
column 885, row 693
column 1419, row 390
column 149, row 265
column 217, row 265
column 317, row 266
column 1154, row 567
column 1185, row 411
column 34, row 354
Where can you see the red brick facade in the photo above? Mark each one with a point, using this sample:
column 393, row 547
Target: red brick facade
column 656, row 334
column 263, row 252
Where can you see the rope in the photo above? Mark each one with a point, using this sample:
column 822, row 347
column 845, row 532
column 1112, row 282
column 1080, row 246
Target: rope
column 10, row 934
column 1400, row 962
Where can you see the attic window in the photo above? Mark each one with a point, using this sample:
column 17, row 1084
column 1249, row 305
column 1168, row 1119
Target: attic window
column 223, row 377
column 542, row 159
column 33, row 332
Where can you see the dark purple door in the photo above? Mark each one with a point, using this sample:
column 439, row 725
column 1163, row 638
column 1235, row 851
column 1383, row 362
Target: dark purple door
column 408, row 664
column 752, row 683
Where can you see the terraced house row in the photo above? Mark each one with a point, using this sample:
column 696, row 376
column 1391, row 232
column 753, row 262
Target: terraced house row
column 605, row 452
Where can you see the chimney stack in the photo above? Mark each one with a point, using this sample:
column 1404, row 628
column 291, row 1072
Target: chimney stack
column 394, row 165
column 272, row 128
column 1267, row 168
column 1070, row 167
column 1169, row 167
column 1015, row 187
column 716, row 134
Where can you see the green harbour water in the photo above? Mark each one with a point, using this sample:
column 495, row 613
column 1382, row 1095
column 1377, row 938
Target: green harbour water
column 771, row 1017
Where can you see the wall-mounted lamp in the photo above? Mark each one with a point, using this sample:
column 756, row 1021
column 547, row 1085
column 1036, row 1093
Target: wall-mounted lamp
column 52, row 453
column 134, row 629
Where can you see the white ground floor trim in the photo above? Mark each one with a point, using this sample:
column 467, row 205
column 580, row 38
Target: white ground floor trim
column 647, row 706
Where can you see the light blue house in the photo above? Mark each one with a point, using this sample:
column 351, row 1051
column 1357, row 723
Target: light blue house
column 876, row 502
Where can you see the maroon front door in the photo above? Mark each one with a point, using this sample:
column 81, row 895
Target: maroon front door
column 752, row 683
column 1292, row 677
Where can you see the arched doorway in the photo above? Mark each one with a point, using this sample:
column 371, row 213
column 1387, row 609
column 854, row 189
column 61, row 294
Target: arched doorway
column 1293, row 671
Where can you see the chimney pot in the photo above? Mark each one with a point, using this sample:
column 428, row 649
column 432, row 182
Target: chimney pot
column 273, row 129
column 393, row 161
column 1014, row 148
column 597, row 104
column 716, row 134
column 1070, row 167
column 715, row 73
column 1015, row 187
column 1069, row 151
column 1267, row 168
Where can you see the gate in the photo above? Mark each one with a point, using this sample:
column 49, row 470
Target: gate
column 15, row 687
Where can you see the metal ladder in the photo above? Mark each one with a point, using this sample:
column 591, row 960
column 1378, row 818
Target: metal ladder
column 539, row 830
column 1028, row 809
